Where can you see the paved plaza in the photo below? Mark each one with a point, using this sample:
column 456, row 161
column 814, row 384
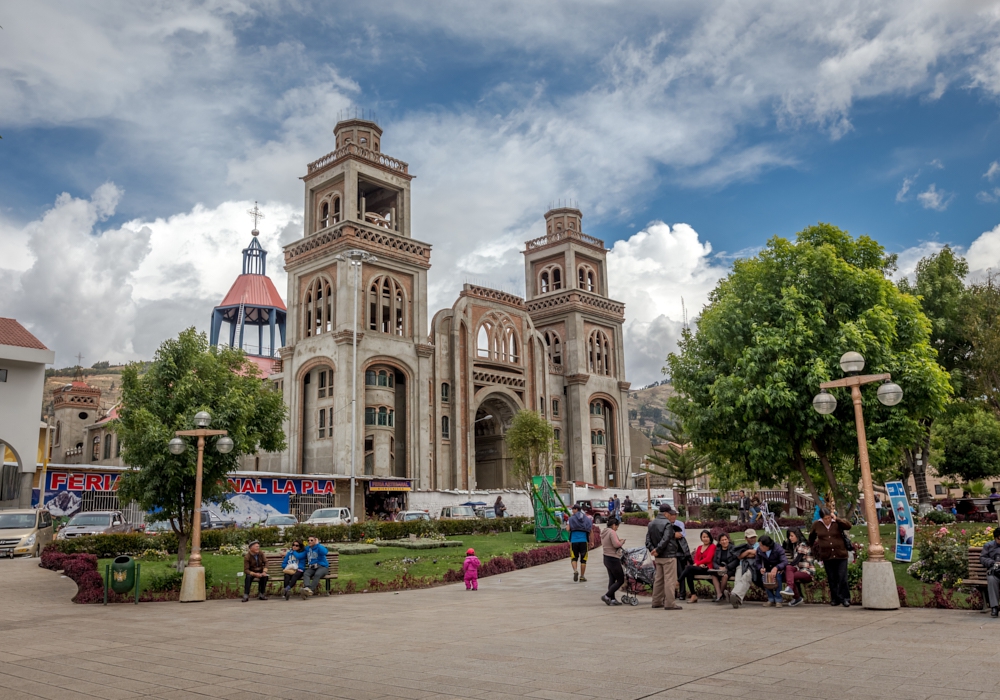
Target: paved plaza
column 532, row 634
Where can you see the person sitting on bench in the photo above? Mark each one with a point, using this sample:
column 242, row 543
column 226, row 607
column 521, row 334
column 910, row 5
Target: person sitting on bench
column 317, row 567
column 990, row 559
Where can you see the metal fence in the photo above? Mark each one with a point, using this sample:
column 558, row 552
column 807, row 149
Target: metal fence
column 108, row 500
column 303, row 506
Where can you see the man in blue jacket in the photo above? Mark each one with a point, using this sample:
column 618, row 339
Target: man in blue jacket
column 580, row 525
column 317, row 567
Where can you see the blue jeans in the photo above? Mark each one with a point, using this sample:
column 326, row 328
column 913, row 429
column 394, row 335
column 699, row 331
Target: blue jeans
column 775, row 595
column 754, row 514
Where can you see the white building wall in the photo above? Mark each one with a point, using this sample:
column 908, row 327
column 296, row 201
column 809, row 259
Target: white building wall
column 21, row 407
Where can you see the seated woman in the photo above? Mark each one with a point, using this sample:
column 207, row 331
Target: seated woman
column 704, row 555
column 800, row 567
column 771, row 561
column 724, row 566
column 296, row 556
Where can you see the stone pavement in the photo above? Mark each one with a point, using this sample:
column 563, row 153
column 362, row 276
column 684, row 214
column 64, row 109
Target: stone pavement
column 528, row 634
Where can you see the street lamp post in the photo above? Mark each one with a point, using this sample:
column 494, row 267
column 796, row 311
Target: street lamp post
column 193, row 582
column 879, row 590
column 355, row 258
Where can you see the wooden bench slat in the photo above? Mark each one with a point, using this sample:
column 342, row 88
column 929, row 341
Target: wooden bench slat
column 276, row 574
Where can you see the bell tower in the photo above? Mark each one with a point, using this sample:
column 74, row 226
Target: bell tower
column 566, row 285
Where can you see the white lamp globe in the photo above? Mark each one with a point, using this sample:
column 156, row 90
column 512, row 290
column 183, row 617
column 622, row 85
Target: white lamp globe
column 202, row 419
column 177, row 446
column 224, row 444
column 825, row 403
column 890, row 394
column 852, row 362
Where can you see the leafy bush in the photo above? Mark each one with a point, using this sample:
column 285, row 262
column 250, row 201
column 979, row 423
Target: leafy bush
column 942, row 557
column 167, row 581
column 718, row 511
column 528, row 528
column 230, row 550
column 107, row 546
column 357, row 548
column 776, row 507
column 939, row 517
column 155, row 555
column 977, row 539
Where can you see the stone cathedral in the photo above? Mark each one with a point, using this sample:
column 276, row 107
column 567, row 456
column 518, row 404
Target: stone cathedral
column 433, row 408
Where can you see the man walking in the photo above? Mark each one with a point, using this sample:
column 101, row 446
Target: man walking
column 613, row 505
column 662, row 541
column 580, row 525
column 744, row 507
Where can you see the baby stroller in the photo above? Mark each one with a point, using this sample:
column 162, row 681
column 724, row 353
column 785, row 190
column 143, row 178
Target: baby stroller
column 637, row 577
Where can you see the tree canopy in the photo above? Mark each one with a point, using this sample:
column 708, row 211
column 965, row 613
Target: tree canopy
column 969, row 442
column 677, row 460
column 774, row 329
column 186, row 376
column 531, row 444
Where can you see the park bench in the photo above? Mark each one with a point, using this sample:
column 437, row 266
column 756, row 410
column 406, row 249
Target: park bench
column 276, row 575
column 985, row 510
column 977, row 575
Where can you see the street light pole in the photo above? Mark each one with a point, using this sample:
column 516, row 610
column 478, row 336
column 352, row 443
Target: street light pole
column 193, row 581
column 879, row 589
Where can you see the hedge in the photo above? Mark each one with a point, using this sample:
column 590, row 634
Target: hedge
column 106, row 546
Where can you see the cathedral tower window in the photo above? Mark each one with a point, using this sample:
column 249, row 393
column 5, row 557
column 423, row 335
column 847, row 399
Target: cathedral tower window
column 387, row 304
column 324, row 215
column 550, row 279
column 497, row 339
column 553, row 347
column 587, row 278
column 555, row 407
column 445, row 428
column 445, row 392
column 317, row 307
column 370, row 413
column 545, row 282
column 599, row 354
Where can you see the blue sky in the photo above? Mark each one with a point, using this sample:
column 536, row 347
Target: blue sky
column 689, row 132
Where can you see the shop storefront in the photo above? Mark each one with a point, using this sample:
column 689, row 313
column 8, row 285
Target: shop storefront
column 386, row 497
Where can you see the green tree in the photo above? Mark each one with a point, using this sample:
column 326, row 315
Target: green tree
column 982, row 327
column 531, row 444
column 939, row 285
column 677, row 460
column 969, row 442
column 186, row 376
column 774, row 329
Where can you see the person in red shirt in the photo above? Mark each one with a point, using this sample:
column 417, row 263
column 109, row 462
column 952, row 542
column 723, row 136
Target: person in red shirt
column 703, row 556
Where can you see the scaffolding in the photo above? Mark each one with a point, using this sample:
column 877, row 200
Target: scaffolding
column 550, row 511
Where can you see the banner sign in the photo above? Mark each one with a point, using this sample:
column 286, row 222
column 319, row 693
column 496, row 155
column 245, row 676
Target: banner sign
column 900, row 505
column 389, row 486
column 252, row 498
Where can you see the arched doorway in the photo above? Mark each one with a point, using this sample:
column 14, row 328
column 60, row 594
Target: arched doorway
column 10, row 476
column 493, row 418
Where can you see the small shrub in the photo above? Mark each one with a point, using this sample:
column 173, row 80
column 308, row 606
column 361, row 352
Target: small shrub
column 230, row 550
column 155, row 555
column 167, row 581
column 942, row 557
column 776, row 508
column 528, row 528
column 356, row 548
column 939, row 517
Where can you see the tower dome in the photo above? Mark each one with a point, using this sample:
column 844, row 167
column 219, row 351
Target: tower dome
column 252, row 301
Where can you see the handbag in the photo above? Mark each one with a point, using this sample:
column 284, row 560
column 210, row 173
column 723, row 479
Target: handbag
column 292, row 568
column 771, row 580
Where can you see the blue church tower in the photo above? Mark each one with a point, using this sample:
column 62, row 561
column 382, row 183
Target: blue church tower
column 254, row 302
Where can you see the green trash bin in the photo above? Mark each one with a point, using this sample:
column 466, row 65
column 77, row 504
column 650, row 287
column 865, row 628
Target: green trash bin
column 122, row 574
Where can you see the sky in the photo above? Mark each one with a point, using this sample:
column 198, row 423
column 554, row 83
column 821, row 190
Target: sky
column 134, row 137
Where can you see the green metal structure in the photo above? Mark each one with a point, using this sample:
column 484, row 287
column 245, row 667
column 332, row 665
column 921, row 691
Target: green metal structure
column 549, row 511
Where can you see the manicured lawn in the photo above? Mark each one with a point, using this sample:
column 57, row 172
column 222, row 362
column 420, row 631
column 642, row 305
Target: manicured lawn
column 385, row 565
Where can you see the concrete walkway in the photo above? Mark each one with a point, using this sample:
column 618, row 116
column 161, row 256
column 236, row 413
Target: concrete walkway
column 531, row 634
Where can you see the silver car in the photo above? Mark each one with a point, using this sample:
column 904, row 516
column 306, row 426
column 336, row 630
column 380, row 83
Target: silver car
column 280, row 522
column 97, row 522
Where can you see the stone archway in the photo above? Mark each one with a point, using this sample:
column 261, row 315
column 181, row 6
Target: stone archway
column 493, row 418
column 11, row 478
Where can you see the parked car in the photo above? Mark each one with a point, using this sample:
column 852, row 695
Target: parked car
column 24, row 532
column 458, row 513
column 157, row 527
column 598, row 510
column 210, row 520
column 486, row 512
column 281, row 522
column 407, row 516
column 330, row 516
column 95, row 522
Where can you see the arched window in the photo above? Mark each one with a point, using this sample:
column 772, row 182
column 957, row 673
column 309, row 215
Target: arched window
column 545, row 282
column 445, row 428
column 556, row 436
column 550, row 279
column 387, row 306
column 497, row 339
column 596, row 408
column 556, row 279
column 445, row 392
column 599, row 354
column 336, row 210
column 383, row 378
column 324, row 215
column 383, row 415
column 590, row 281
column 370, row 416
column 483, row 342
column 371, row 377
column 553, row 347
column 559, row 474
column 107, row 446
column 317, row 307
column 95, row 453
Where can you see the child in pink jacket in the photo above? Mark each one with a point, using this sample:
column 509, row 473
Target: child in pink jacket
column 470, row 567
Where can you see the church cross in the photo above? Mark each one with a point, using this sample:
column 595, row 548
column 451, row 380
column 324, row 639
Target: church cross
column 256, row 214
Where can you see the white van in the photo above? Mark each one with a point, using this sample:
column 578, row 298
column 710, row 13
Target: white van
column 330, row 516
column 24, row 532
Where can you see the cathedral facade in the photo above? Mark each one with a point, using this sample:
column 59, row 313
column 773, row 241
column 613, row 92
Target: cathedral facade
column 433, row 408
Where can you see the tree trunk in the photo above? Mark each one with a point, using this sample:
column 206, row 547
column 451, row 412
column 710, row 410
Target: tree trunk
column 920, row 470
column 800, row 464
column 828, row 470
column 790, row 508
column 182, row 539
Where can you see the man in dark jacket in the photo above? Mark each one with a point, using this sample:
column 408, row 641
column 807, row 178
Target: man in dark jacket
column 254, row 569
column 580, row 525
column 743, row 505
column 989, row 558
column 662, row 541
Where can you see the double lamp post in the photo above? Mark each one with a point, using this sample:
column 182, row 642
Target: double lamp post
column 193, row 582
column 878, row 591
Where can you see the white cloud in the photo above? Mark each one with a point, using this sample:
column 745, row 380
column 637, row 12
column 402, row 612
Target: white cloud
column 115, row 294
column 984, row 253
column 989, row 197
column 905, row 188
column 933, row 198
column 992, row 171
column 906, row 262
column 651, row 272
